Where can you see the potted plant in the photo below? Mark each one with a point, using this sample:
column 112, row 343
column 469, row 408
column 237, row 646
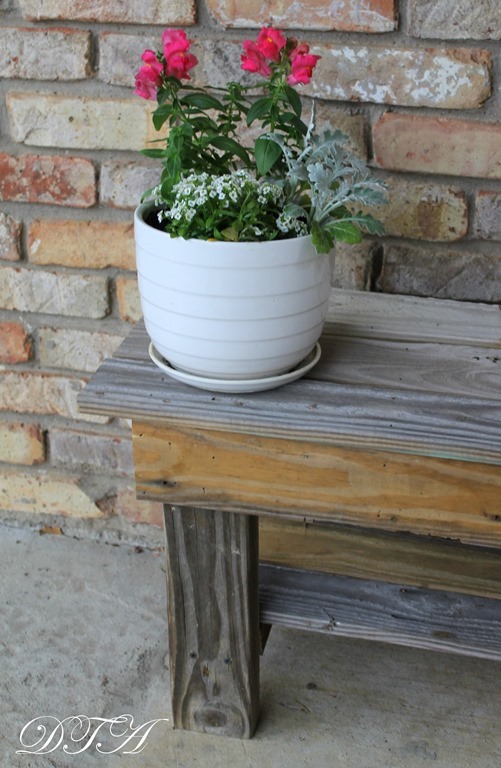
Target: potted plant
column 233, row 244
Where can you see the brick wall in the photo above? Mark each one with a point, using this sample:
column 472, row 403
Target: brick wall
column 415, row 83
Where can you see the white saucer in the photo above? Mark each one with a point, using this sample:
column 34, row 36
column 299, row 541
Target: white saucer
column 237, row 385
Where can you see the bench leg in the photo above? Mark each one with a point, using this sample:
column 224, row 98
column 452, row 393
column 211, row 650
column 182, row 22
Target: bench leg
column 214, row 639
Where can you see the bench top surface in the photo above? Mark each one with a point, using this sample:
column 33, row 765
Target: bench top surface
column 419, row 376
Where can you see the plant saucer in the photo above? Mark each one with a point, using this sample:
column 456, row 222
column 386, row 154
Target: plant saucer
column 235, row 386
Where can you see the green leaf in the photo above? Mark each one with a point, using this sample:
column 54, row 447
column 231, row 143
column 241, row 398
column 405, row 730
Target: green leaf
column 321, row 238
column 259, row 109
column 230, row 145
column 370, row 223
column 155, row 153
column 289, row 118
column 293, row 99
column 294, row 210
column 346, row 231
column 266, row 153
column 161, row 115
column 203, row 123
column 202, row 101
column 230, row 233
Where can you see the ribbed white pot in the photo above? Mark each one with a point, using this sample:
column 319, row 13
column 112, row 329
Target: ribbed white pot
column 230, row 310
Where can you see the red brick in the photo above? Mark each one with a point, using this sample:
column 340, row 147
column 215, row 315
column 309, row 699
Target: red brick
column 54, row 180
column 345, row 15
column 15, row 343
column 438, row 145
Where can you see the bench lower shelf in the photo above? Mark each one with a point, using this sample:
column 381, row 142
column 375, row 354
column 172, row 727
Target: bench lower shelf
column 375, row 610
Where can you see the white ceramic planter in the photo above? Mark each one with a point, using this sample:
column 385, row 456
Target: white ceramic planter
column 230, row 310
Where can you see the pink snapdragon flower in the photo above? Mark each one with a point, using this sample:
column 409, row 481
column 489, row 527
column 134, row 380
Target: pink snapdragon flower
column 302, row 65
column 178, row 60
column 149, row 77
column 270, row 42
column 253, row 59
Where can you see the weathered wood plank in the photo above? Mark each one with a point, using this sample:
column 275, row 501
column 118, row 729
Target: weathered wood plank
column 427, row 424
column 214, row 639
column 414, row 319
column 418, row 367
column 419, row 561
column 297, row 478
column 339, row 605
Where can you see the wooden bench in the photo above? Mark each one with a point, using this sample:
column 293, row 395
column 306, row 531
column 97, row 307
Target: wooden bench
column 372, row 489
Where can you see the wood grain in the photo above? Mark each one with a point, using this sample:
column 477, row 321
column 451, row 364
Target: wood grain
column 339, row 605
column 397, row 374
column 394, row 492
column 419, row 561
column 214, row 638
column 414, row 319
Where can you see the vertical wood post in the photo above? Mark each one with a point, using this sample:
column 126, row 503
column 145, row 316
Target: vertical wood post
column 212, row 589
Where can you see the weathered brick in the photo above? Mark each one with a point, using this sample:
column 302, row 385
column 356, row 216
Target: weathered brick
column 44, row 54
column 93, row 244
column 35, row 290
column 84, row 122
column 424, row 211
column 91, row 453
column 125, row 503
column 438, row 145
column 45, row 493
column 425, row 77
column 54, row 180
column 10, row 238
column 21, row 443
column 330, row 117
column 441, row 274
column 125, row 12
column 353, row 266
column 42, row 393
column 129, row 304
column 15, row 343
column 120, row 55
column 123, row 183
column 488, row 215
column 455, row 19
column 75, row 349
column 345, row 15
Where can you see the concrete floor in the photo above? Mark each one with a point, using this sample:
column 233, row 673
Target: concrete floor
column 83, row 631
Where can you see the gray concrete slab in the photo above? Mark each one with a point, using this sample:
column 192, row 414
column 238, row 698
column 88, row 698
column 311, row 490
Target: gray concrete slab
column 83, row 632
